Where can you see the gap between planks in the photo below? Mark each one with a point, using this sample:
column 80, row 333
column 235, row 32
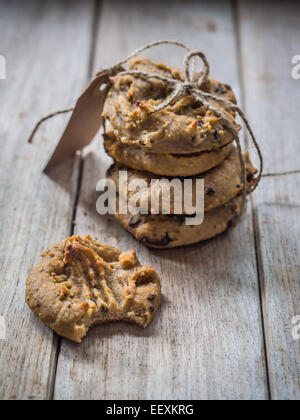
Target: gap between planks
column 237, row 23
column 94, row 31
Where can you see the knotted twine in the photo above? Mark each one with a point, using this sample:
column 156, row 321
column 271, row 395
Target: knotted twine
column 192, row 87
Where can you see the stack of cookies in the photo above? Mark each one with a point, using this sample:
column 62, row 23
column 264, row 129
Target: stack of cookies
column 185, row 140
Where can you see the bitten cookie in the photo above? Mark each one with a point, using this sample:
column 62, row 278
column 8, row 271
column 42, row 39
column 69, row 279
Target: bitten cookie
column 164, row 164
column 182, row 128
column 81, row 282
column 221, row 185
column 163, row 231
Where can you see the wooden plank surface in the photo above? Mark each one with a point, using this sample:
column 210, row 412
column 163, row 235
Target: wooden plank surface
column 270, row 34
column 206, row 341
column 44, row 73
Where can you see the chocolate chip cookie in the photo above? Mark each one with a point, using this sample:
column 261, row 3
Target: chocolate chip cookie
column 163, row 231
column 81, row 282
column 182, row 128
column 221, row 185
column 164, row 164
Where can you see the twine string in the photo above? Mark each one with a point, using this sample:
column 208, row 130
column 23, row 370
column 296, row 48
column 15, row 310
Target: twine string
column 187, row 64
column 44, row 119
column 295, row 172
column 117, row 66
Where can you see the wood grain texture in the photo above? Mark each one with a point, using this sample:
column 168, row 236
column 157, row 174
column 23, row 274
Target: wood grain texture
column 44, row 72
column 270, row 34
column 206, row 342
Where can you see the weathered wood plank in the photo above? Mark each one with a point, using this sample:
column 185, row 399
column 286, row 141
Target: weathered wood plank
column 44, row 73
column 270, row 34
column 206, row 342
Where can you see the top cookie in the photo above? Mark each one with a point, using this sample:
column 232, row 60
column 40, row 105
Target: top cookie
column 81, row 282
column 184, row 127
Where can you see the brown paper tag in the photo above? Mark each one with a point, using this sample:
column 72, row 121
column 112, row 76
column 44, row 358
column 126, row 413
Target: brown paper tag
column 85, row 121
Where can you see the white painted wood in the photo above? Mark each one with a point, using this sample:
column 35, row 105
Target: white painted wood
column 206, row 341
column 270, row 34
column 46, row 46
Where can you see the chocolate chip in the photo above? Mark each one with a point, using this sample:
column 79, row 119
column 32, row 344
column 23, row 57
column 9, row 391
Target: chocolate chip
column 152, row 309
column 216, row 136
column 250, row 177
column 228, row 87
column 110, row 170
column 209, row 191
column 234, row 220
column 230, row 224
column 220, row 90
column 194, row 140
column 104, row 309
column 151, row 298
column 134, row 222
column 161, row 242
